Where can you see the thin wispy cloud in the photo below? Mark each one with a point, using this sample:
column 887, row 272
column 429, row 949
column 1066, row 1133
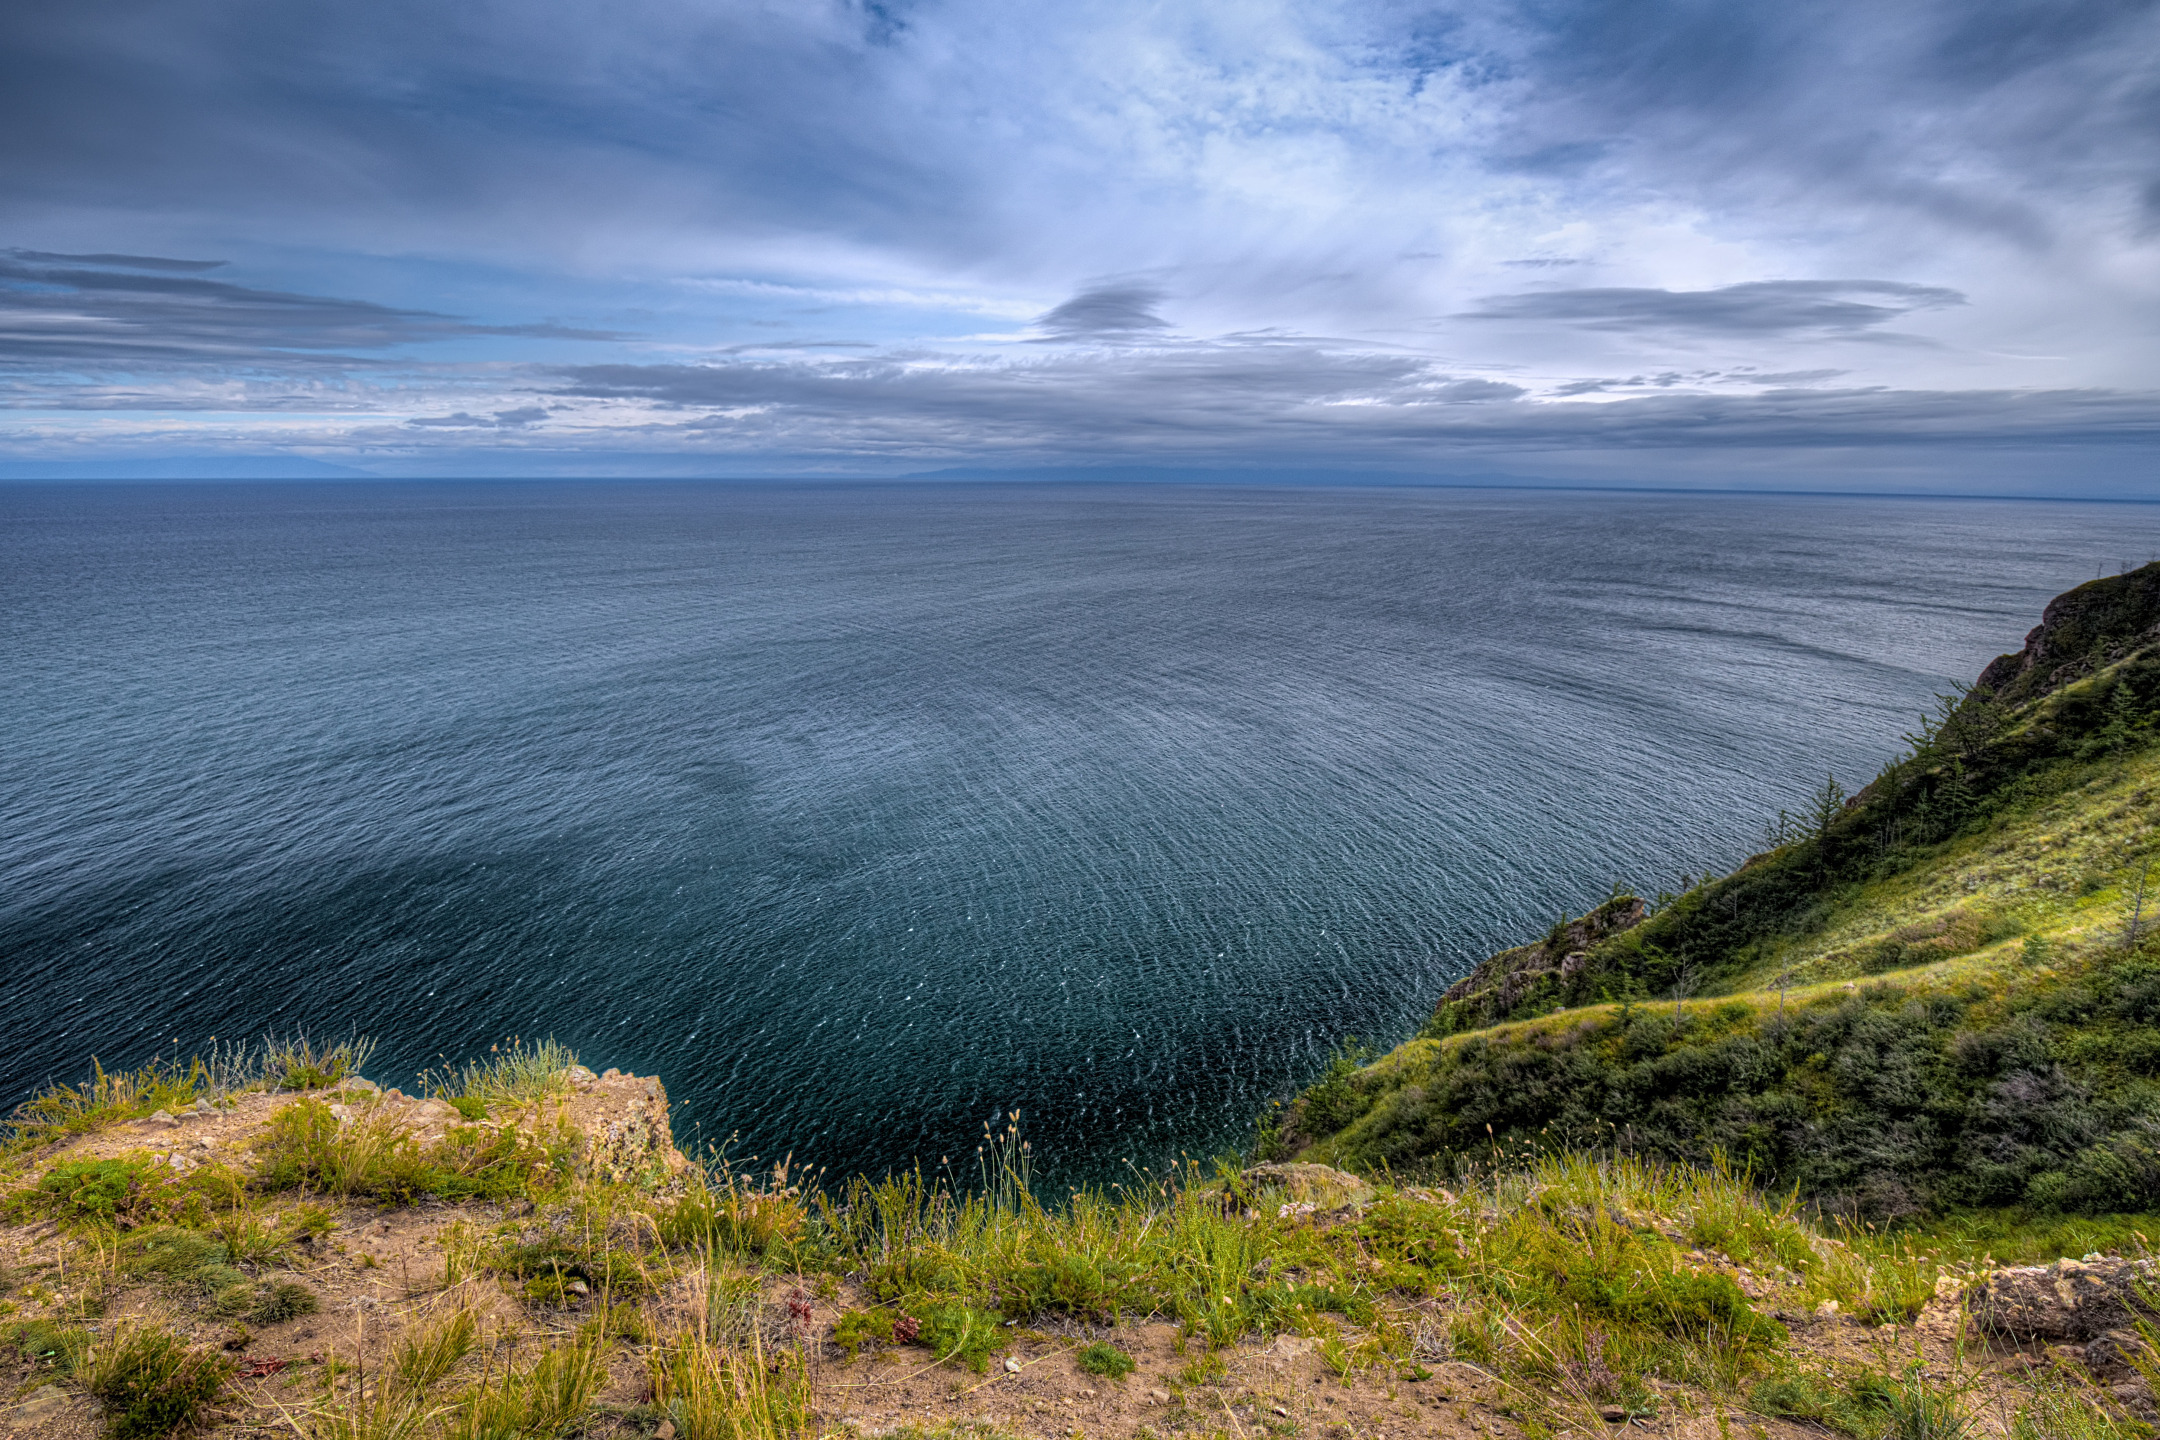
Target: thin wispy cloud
column 1763, row 307
column 118, row 311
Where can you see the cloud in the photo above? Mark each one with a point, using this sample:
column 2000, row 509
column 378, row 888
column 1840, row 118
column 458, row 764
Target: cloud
column 1106, row 312
column 105, row 311
column 126, row 262
column 517, row 419
column 1229, row 405
column 1758, row 308
column 705, row 174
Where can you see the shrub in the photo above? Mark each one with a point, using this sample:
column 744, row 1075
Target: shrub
column 371, row 1156
column 187, row 1260
column 152, row 1384
column 50, row 1346
column 858, row 1328
column 283, row 1300
column 109, row 1190
column 955, row 1330
column 1104, row 1359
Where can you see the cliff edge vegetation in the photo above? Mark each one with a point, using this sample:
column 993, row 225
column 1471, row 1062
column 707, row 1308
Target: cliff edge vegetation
column 269, row 1244
column 1940, row 994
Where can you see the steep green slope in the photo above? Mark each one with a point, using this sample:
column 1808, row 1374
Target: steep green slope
column 1929, row 996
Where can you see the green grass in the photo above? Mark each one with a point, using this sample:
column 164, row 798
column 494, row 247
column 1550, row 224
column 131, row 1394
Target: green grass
column 1927, row 1000
column 372, row 1156
column 514, row 1072
column 49, row 1346
column 1104, row 1359
column 151, row 1383
column 115, row 1097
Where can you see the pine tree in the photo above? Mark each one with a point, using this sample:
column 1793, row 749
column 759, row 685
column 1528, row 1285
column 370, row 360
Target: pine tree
column 1956, row 795
column 1824, row 806
column 2120, row 731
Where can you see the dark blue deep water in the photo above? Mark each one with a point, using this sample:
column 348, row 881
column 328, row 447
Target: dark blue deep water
column 862, row 813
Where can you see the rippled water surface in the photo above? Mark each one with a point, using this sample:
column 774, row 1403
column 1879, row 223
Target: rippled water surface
column 862, row 813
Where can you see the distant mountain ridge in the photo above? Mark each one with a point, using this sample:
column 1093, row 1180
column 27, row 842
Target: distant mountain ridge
column 185, row 467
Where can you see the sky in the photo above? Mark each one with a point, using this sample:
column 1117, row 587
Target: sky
column 1839, row 244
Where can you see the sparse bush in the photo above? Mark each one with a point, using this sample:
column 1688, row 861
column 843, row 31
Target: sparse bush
column 955, row 1330
column 282, row 1300
column 151, row 1383
column 50, row 1346
column 715, row 1394
column 187, row 1260
column 858, row 1328
column 513, row 1073
column 1104, row 1359
column 110, row 1190
column 372, row 1156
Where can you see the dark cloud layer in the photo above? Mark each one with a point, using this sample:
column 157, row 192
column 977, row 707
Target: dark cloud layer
column 106, row 311
column 126, row 262
column 1766, row 307
column 1107, row 310
column 1258, row 402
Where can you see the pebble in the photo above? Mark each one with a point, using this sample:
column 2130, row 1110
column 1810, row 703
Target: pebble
column 1160, row 1397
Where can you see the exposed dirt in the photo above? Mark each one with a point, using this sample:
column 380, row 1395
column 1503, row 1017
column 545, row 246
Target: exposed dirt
column 379, row 1273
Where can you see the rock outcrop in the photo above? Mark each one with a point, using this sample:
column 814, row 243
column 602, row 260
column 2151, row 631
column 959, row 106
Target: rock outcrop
column 622, row 1122
column 1298, row 1187
column 2081, row 631
column 2070, row 1300
column 1497, row 986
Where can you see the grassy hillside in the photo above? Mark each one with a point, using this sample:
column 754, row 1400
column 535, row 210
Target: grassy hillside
column 1926, row 996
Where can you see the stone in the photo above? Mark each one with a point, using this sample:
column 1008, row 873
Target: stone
column 624, row 1131
column 41, row 1405
column 1160, row 1397
column 365, row 1086
column 1322, row 1187
column 2137, row 1398
column 1827, row 1308
column 665, row 1432
column 1012, row 1366
column 2111, row 1356
column 162, row 1117
column 2068, row 1300
column 1612, row 1415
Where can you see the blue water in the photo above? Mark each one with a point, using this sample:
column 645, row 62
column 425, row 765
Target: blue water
column 860, row 814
